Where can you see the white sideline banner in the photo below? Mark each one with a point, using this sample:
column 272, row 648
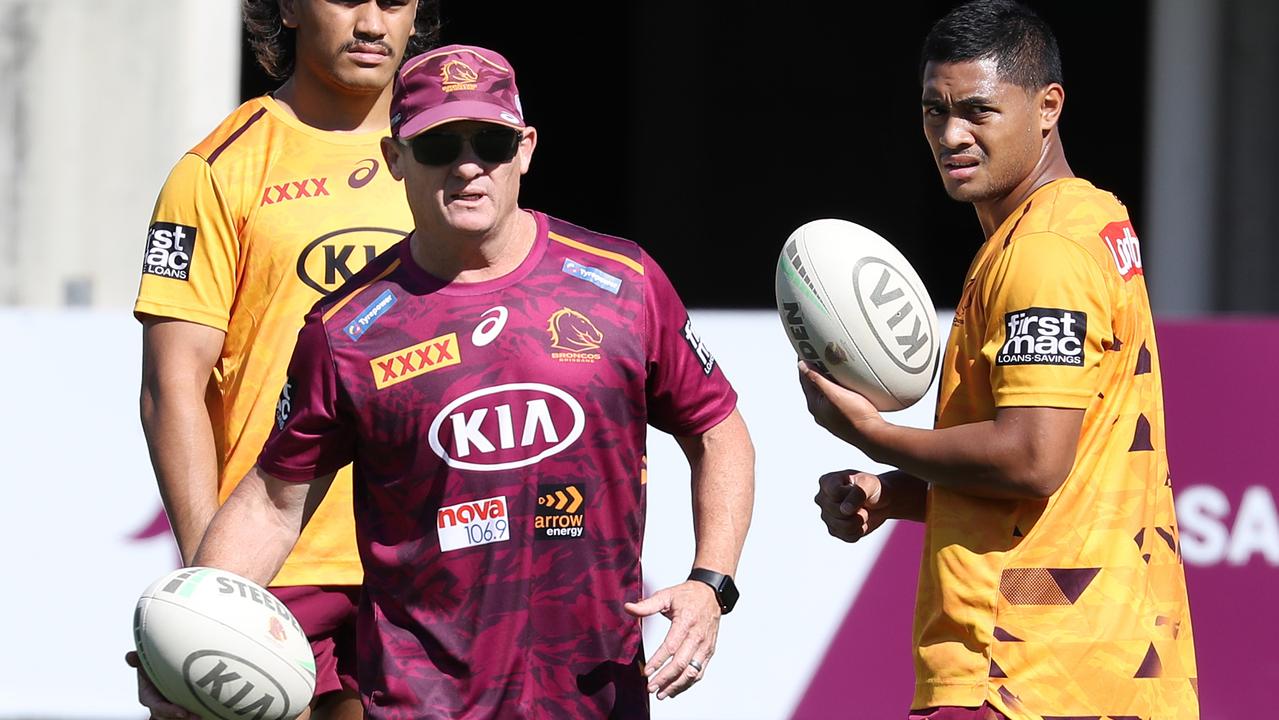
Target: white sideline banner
column 81, row 491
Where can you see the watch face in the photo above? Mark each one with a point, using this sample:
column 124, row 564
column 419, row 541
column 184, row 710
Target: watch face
column 728, row 594
column 725, row 589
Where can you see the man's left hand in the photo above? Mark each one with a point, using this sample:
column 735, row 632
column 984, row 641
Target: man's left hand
column 684, row 655
column 834, row 407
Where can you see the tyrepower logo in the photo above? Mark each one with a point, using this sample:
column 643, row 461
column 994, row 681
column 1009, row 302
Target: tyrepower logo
column 1044, row 336
column 506, row 426
column 294, row 190
column 396, row 367
column 1121, row 240
column 475, row 522
column 170, row 248
column 560, row 513
column 370, row 315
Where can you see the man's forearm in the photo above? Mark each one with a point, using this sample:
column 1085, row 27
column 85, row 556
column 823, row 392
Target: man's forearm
column 907, row 495
column 180, row 440
column 254, row 531
column 991, row 459
column 723, row 468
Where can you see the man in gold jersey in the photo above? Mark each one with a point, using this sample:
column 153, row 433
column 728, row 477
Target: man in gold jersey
column 1051, row 583
column 280, row 204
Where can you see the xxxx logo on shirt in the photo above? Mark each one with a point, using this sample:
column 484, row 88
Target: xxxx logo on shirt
column 294, row 190
column 410, row 362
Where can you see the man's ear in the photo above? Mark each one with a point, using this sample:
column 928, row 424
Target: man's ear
column 1051, row 100
column 289, row 13
column 527, row 146
column 394, row 153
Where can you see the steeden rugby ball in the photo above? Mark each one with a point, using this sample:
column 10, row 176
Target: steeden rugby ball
column 854, row 307
column 223, row 646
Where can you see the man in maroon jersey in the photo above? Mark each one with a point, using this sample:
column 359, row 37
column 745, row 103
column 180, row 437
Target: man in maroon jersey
column 491, row 378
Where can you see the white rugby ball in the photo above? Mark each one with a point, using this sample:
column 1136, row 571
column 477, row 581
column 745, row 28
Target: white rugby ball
column 853, row 307
column 224, row 647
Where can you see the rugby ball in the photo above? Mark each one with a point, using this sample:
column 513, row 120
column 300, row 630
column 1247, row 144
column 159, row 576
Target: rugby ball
column 855, row 309
column 223, row 647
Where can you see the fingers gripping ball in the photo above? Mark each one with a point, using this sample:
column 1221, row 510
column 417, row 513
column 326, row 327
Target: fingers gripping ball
column 855, row 308
column 223, row 646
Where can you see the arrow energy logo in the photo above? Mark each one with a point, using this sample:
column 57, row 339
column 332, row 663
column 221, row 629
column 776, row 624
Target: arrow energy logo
column 559, row 512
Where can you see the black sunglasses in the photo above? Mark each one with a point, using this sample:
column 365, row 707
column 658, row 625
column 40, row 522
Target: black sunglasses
column 492, row 145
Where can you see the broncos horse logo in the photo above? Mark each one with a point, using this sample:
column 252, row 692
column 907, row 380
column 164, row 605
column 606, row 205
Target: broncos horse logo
column 571, row 331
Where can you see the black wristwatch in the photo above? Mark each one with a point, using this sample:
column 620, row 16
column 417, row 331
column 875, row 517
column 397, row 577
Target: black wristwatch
column 725, row 589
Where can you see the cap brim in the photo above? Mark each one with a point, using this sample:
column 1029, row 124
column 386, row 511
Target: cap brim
column 461, row 110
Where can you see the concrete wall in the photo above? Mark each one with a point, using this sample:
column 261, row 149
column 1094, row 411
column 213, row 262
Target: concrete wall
column 98, row 99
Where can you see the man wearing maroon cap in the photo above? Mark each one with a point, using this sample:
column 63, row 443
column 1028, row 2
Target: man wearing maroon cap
column 491, row 378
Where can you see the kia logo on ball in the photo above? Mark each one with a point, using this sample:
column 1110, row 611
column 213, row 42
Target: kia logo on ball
column 235, row 684
column 892, row 310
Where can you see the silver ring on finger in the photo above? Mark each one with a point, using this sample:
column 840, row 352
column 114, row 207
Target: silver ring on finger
column 695, row 665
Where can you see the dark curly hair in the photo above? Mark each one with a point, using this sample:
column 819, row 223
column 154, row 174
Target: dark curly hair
column 274, row 45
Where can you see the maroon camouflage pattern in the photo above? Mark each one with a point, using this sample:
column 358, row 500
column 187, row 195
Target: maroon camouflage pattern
column 455, row 82
column 531, row 626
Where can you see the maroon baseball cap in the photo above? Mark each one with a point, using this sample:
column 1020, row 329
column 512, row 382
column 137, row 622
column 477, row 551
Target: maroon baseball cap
column 456, row 82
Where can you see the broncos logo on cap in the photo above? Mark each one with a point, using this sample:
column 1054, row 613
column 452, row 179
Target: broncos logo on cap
column 572, row 331
column 457, row 75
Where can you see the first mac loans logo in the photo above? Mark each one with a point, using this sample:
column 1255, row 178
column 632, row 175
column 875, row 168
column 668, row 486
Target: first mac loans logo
column 704, row 357
column 284, row 406
column 1044, row 336
column 170, row 248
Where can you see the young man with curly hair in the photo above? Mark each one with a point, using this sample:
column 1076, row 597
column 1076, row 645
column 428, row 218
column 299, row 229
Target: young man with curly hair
column 281, row 203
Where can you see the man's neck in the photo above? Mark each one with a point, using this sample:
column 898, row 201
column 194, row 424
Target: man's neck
column 1052, row 166
column 460, row 258
column 325, row 106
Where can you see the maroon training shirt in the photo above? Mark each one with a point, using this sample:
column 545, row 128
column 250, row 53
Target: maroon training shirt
column 498, row 435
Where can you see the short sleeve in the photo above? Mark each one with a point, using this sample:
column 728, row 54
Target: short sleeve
column 687, row 391
column 190, row 263
column 311, row 436
column 1049, row 315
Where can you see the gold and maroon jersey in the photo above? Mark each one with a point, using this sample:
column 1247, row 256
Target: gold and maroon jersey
column 253, row 226
column 1074, row 606
column 498, row 434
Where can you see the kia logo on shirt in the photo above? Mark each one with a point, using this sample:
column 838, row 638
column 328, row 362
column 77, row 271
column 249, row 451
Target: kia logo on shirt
column 331, row 259
column 506, row 426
